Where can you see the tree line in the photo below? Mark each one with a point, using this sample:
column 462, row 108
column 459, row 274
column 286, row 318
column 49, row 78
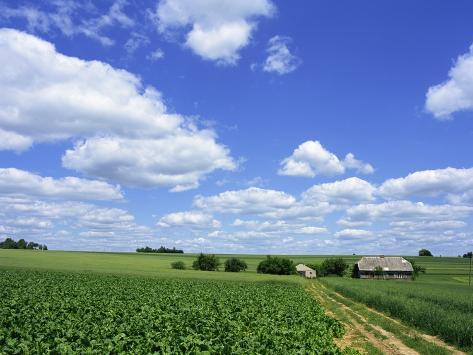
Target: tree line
column 161, row 249
column 9, row 243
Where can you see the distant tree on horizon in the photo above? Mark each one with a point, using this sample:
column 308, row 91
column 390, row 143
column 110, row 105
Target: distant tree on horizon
column 10, row 243
column 161, row 249
column 425, row 252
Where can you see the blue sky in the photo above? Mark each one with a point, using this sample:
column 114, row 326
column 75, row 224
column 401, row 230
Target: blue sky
column 249, row 126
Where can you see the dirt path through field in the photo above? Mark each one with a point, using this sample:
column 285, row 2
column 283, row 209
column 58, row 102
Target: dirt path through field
column 359, row 327
column 382, row 340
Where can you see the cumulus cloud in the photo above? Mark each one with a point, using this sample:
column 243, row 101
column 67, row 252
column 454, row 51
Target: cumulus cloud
column 280, row 60
column 193, row 219
column 311, row 159
column 216, row 29
column 349, row 191
column 427, row 225
column 407, row 210
column 278, row 227
column 251, row 200
column 455, row 184
column 353, row 233
column 123, row 130
column 455, row 94
column 19, row 182
column 65, row 224
column 178, row 161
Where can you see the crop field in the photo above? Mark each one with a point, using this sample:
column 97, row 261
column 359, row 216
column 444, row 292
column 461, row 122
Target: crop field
column 81, row 302
column 59, row 312
column 432, row 305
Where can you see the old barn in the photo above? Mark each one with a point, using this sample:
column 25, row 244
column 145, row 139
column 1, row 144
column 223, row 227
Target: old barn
column 385, row 267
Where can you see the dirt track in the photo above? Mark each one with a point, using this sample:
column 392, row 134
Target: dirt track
column 361, row 331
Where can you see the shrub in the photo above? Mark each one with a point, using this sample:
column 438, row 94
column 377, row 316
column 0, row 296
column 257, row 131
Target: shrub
column 333, row 266
column 206, row 262
column 417, row 269
column 178, row 265
column 235, row 265
column 276, row 266
column 425, row 252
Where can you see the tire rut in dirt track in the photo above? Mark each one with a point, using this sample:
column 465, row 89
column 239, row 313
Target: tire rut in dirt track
column 390, row 345
column 429, row 338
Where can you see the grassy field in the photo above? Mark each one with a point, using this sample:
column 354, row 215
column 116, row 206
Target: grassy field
column 439, row 303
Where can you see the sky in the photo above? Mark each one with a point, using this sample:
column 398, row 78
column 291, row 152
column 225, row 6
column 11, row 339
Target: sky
column 238, row 126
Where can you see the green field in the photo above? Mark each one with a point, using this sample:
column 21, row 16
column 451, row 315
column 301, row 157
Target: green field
column 129, row 302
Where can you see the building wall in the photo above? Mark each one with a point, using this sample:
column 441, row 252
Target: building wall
column 386, row 275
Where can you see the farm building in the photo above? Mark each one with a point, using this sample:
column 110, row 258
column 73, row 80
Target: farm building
column 386, row 267
column 306, row 271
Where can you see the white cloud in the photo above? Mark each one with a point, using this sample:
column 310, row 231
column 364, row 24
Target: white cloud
column 350, row 162
column 455, row 94
column 311, row 159
column 353, row 233
column 136, row 41
column 155, row 55
column 278, row 227
column 177, row 161
column 456, row 184
column 124, row 131
column 64, row 19
column 64, row 224
column 192, row 219
column 349, row 191
column 19, row 182
column 217, row 29
column 251, row 200
column 407, row 210
column 427, row 225
column 280, row 60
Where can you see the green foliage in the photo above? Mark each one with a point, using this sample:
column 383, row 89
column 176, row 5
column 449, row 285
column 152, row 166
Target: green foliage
column 178, row 265
column 277, row 266
column 9, row 243
column 468, row 255
column 206, row 262
column 235, row 265
column 161, row 249
column 439, row 309
column 417, row 269
column 425, row 252
column 333, row 266
column 88, row 313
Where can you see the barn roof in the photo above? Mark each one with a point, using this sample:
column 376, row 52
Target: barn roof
column 388, row 263
column 302, row 267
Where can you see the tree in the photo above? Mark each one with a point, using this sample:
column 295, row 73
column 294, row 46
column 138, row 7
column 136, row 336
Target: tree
column 161, row 249
column 417, row 269
column 425, row 252
column 8, row 244
column 235, row 265
column 178, row 265
column 22, row 244
column 206, row 262
column 277, row 266
column 468, row 255
column 333, row 266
